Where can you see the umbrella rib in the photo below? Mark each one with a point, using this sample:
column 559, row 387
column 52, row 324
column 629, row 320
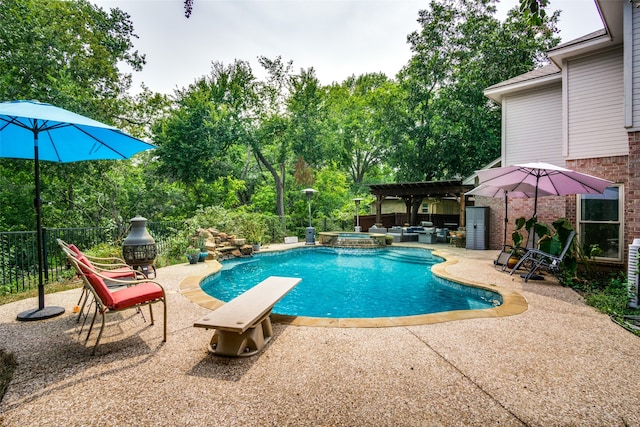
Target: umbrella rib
column 14, row 121
column 53, row 145
column 100, row 142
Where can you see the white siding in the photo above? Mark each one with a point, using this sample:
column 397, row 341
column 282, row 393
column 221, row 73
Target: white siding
column 532, row 126
column 595, row 102
column 636, row 66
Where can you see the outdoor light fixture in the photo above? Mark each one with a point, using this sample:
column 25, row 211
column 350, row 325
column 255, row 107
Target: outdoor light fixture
column 357, row 200
column 311, row 239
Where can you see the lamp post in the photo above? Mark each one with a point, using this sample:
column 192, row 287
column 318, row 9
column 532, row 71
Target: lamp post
column 311, row 238
column 357, row 200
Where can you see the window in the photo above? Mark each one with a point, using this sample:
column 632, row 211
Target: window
column 425, row 208
column 600, row 222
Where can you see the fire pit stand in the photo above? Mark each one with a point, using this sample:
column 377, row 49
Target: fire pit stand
column 139, row 248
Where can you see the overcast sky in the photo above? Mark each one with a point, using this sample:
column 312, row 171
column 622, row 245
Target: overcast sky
column 337, row 38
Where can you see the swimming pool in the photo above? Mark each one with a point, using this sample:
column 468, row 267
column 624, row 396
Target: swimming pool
column 351, row 283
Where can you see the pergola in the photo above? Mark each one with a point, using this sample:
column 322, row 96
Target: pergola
column 413, row 193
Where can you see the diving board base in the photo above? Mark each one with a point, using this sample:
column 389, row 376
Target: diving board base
column 247, row 343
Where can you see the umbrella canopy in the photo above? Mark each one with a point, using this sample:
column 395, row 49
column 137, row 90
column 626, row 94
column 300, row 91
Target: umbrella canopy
column 544, row 177
column 40, row 131
column 525, row 191
column 62, row 136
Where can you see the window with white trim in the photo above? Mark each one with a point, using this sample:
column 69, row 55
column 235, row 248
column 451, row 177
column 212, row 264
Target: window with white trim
column 600, row 222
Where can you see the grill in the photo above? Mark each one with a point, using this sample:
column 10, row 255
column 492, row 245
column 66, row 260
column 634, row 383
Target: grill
column 139, row 248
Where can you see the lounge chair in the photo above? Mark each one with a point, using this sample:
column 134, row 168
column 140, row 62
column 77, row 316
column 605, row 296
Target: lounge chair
column 135, row 294
column 502, row 262
column 112, row 268
column 538, row 258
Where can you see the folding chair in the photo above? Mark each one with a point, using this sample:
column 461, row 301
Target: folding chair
column 539, row 258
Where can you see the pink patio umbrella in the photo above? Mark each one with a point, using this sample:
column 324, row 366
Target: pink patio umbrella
column 544, row 177
column 552, row 179
column 527, row 191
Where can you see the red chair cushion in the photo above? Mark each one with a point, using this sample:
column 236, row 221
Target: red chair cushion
column 100, row 288
column 116, row 273
column 128, row 297
column 119, row 273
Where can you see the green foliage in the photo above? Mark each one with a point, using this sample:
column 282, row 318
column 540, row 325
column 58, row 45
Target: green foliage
column 613, row 299
column 257, row 227
column 263, row 199
column 364, row 112
column 66, row 53
column 607, row 293
column 174, row 249
column 460, row 50
column 534, row 11
column 105, row 250
column 204, row 136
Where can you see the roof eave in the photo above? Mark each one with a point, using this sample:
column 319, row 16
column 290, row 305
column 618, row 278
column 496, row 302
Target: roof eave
column 570, row 50
column 497, row 93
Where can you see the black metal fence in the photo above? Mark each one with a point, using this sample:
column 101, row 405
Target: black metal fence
column 19, row 254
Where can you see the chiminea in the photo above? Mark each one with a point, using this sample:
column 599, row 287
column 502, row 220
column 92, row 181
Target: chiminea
column 139, row 248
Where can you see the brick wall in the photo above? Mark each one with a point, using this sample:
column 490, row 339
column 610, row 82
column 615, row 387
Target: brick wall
column 550, row 208
column 619, row 169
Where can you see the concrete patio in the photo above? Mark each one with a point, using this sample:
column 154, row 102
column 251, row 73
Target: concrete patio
column 558, row 363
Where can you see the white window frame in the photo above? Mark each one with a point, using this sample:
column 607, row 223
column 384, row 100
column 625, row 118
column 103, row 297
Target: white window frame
column 619, row 223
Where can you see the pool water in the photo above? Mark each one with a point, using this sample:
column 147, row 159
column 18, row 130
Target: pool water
column 351, row 283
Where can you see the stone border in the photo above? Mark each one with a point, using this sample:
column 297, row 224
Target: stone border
column 512, row 303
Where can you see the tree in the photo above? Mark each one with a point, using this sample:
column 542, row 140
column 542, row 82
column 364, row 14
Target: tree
column 204, row 137
column 461, row 49
column 68, row 54
column 365, row 113
column 271, row 142
column 306, row 106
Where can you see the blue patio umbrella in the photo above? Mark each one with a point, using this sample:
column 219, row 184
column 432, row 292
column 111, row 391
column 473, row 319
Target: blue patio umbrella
column 40, row 131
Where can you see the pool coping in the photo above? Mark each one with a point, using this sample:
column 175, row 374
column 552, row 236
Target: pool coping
column 512, row 302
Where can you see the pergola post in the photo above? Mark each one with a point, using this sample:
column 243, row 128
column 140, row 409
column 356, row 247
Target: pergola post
column 379, row 199
column 407, row 204
column 463, row 204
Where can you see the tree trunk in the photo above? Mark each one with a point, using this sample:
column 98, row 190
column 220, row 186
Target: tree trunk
column 278, row 180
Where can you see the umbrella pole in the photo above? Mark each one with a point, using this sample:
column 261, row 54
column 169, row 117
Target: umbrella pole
column 37, row 202
column 506, row 217
column 41, row 312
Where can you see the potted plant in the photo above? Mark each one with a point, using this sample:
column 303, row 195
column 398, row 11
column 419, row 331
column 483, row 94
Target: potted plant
column 254, row 231
column 193, row 254
column 202, row 245
column 518, row 238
